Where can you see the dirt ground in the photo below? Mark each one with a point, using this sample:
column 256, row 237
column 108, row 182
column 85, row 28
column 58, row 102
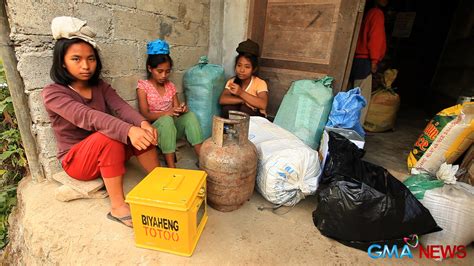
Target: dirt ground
column 51, row 232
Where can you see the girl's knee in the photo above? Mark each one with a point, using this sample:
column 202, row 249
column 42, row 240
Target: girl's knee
column 114, row 147
column 111, row 157
column 190, row 118
column 165, row 124
column 165, row 120
column 109, row 145
column 99, row 137
column 107, row 142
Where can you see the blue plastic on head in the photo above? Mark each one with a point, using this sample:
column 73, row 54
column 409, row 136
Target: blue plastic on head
column 157, row 47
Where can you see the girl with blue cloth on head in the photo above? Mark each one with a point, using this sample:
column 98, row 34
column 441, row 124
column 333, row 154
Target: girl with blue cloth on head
column 159, row 104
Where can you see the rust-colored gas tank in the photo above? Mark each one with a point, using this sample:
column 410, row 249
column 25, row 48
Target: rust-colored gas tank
column 230, row 161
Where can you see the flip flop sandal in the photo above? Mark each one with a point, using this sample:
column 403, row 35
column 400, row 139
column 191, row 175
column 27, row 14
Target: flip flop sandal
column 120, row 219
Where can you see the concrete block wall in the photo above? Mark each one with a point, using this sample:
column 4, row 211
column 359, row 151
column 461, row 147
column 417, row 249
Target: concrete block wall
column 123, row 28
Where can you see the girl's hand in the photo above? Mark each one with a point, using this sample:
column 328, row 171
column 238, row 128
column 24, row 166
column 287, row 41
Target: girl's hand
column 177, row 111
column 184, row 108
column 151, row 129
column 373, row 67
column 235, row 89
column 171, row 112
column 140, row 138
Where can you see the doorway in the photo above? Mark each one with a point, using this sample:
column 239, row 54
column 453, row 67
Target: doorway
column 418, row 54
column 430, row 44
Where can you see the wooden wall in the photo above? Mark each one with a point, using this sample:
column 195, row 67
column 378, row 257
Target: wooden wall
column 455, row 73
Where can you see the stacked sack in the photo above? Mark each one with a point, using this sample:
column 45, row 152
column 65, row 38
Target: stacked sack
column 450, row 205
column 446, row 137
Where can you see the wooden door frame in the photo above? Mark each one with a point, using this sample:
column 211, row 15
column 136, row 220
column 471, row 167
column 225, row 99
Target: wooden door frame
column 355, row 36
column 342, row 52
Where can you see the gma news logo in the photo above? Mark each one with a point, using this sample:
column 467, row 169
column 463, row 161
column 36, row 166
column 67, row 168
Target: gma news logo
column 376, row 251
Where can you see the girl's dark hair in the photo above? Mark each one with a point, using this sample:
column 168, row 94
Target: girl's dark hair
column 252, row 58
column 154, row 60
column 59, row 73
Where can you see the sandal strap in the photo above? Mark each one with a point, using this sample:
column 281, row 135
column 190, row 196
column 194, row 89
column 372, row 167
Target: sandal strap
column 125, row 218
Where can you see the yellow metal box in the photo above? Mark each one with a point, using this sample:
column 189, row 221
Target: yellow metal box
column 169, row 210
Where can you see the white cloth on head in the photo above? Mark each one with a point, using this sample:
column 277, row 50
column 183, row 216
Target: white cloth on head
column 72, row 28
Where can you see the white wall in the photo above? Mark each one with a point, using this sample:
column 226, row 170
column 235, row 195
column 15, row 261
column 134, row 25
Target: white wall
column 228, row 27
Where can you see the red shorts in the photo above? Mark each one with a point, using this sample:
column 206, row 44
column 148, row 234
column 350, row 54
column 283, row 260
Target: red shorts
column 98, row 155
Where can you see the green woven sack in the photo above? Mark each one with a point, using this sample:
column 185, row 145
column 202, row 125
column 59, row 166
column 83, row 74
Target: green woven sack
column 305, row 109
column 203, row 84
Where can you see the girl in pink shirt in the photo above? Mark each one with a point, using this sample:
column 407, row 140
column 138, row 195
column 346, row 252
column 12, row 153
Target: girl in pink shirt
column 158, row 102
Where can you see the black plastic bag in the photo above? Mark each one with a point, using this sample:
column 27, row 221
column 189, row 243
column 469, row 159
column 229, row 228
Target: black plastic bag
column 360, row 203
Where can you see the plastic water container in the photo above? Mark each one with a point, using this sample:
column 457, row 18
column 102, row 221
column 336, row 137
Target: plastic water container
column 169, row 210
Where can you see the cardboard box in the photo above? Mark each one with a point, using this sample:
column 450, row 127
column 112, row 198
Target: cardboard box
column 169, row 210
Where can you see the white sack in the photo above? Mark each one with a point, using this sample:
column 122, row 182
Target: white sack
column 288, row 169
column 451, row 207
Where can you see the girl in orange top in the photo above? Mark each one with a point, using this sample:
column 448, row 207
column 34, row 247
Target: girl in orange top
column 245, row 92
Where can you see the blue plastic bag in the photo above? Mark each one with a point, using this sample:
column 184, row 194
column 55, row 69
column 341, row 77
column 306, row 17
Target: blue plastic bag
column 345, row 112
column 305, row 108
column 203, row 84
